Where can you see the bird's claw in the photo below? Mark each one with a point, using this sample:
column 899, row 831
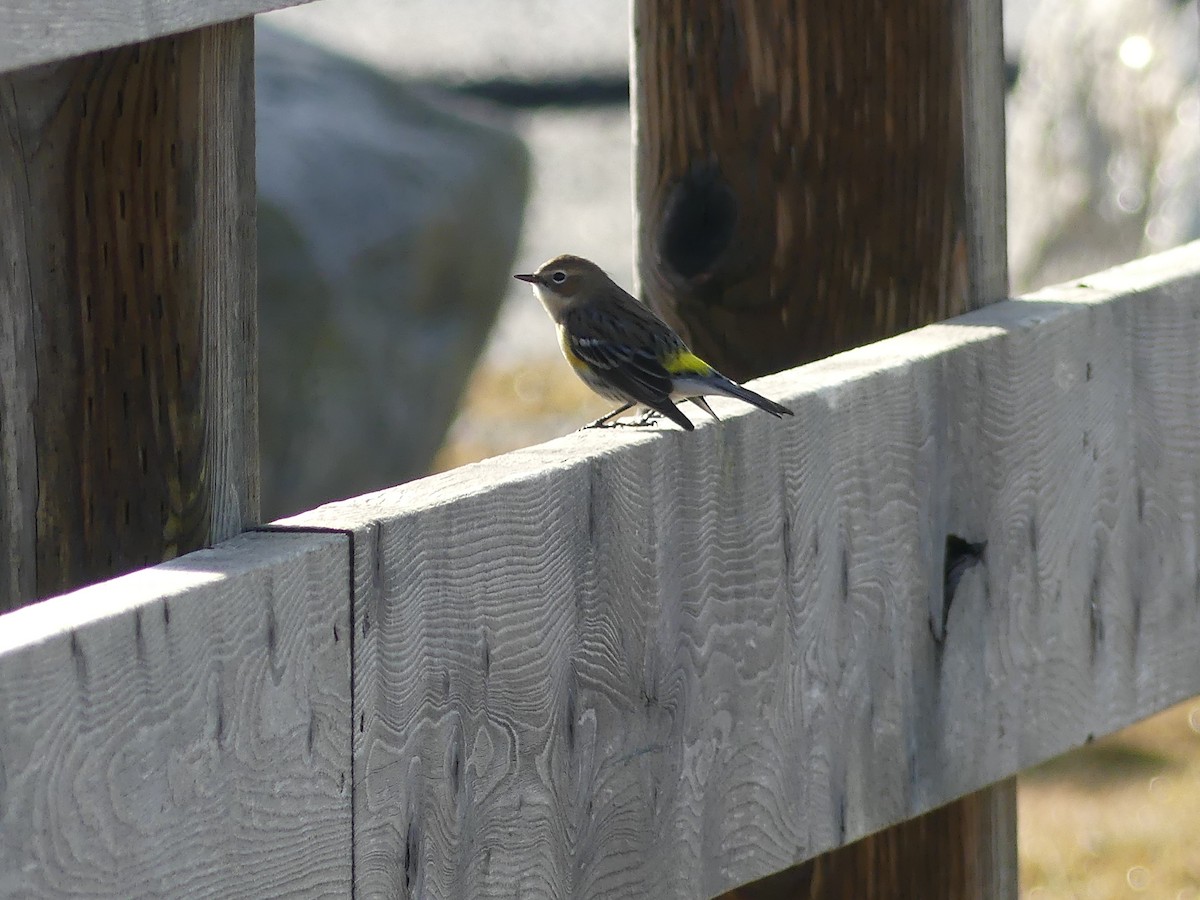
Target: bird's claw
column 649, row 417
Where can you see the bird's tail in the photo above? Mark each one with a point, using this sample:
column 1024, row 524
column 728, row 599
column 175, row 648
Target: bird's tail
column 674, row 413
column 722, row 385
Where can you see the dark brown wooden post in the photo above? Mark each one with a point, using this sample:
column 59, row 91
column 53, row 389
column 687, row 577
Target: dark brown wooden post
column 811, row 177
column 800, row 173
column 961, row 851
column 128, row 396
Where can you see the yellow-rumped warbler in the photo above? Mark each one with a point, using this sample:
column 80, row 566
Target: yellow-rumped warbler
column 623, row 351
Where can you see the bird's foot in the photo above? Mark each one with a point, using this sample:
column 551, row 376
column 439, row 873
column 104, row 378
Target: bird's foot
column 602, row 422
column 647, row 418
column 606, row 421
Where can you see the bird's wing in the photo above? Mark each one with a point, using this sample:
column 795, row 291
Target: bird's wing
column 622, row 353
column 624, row 359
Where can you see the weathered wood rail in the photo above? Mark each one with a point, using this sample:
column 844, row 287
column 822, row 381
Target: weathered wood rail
column 182, row 731
column 644, row 663
column 53, row 30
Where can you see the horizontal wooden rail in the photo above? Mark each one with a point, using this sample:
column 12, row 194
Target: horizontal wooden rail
column 44, row 31
column 635, row 663
column 662, row 664
column 183, row 731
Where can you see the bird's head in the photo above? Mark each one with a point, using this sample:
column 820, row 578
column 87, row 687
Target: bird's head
column 564, row 278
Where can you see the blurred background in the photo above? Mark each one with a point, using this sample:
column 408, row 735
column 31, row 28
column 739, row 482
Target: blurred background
column 413, row 155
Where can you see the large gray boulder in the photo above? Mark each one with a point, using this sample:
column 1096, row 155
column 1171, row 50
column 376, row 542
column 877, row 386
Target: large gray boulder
column 387, row 225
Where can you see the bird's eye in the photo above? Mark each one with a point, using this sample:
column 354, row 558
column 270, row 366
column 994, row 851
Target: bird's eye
column 559, row 277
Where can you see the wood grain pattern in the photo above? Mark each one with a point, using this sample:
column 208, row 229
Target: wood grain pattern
column 958, row 851
column 852, row 159
column 183, row 731
column 130, row 419
column 53, row 30
column 18, row 386
column 967, row 848
column 658, row 664
column 981, row 61
column 799, row 173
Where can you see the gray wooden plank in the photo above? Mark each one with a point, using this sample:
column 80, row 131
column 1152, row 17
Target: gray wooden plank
column 225, row 247
column 52, row 30
column 995, row 862
column 660, row 664
column 984, row 148
column 182, row 731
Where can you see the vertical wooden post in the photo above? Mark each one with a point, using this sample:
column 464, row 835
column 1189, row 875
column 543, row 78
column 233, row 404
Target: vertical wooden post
column 810, row 177
column 961, row 851
column 800, row 177
column 128, row 395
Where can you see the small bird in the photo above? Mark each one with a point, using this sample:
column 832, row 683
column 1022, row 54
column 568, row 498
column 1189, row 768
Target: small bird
column 623, row 351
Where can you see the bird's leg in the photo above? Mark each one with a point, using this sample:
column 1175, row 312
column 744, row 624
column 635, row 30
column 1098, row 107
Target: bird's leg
column 603, row 420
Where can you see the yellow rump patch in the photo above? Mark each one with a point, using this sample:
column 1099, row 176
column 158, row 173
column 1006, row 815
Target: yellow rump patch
column 686, row 363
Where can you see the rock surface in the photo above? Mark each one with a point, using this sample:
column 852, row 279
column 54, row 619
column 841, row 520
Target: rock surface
column 468, row 40
column 387, row 225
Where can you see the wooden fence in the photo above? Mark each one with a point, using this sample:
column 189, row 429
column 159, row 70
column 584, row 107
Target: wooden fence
column 619, row 664
column 644, row 663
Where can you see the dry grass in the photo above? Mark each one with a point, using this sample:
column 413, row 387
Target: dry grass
column 511, row 407
column 1119, row 818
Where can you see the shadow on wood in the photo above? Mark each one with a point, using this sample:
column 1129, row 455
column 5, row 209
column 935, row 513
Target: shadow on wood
column 129, row 402
column 799, row 174
column 920, row 858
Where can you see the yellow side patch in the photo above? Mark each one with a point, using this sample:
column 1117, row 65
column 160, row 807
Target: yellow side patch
column 564, row 342
column 686, row 363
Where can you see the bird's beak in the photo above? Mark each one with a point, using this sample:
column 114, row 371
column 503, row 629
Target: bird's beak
column 532, row 279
